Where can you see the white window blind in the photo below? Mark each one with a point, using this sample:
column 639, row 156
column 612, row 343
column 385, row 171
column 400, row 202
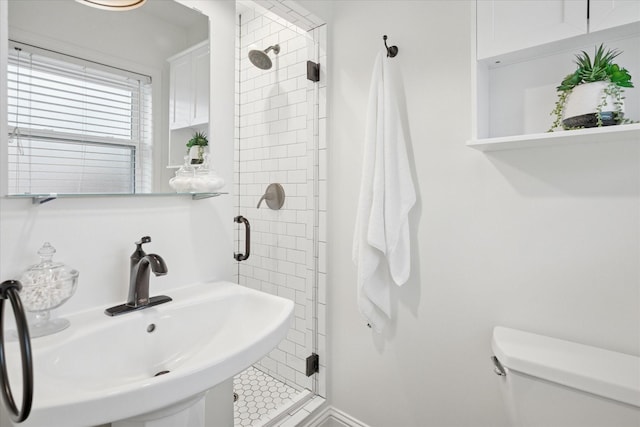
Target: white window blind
column 76, row 126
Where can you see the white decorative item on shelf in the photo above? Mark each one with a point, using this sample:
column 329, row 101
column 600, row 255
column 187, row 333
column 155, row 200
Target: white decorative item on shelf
column 46, row 286
column 181, row 183
column 198, row 179
column 209, row 179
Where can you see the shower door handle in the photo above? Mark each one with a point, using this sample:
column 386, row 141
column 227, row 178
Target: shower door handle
column 247, row 240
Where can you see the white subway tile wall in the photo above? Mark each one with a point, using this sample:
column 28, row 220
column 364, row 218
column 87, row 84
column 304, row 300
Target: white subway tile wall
column 278, row 139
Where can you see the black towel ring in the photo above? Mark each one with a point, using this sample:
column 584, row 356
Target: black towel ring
column 9, row 290
column 391, row 51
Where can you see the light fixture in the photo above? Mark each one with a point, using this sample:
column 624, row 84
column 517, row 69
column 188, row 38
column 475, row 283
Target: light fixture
column 113, row 4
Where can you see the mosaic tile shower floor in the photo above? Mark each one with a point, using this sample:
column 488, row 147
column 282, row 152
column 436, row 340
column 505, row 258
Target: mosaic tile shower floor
column 260, row 397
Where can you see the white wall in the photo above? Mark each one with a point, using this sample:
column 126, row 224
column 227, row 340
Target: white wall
column 546, row 240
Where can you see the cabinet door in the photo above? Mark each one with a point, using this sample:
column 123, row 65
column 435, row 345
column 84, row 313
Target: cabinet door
column 200, row 101
column 508, row 25
column 605, row 14
column 180, row 98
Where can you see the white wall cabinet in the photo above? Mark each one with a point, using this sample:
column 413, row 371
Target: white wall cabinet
column 188, row 99
column 189, row 87
column 523, row 51
column 508, row 26
column 605, row 14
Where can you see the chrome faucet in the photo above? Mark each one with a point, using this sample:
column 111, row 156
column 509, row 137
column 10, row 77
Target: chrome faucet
column 138, row 299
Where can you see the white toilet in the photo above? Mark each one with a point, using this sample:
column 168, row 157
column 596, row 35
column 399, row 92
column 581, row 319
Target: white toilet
column 548, row 382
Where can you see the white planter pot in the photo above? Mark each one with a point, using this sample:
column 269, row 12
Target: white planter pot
column 196, row 154
column 582, row 105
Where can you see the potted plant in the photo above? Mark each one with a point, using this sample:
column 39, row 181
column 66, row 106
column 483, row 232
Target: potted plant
column 593, row 94
column 196, row 147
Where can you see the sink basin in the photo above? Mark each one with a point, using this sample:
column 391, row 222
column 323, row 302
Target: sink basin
column 102, row 369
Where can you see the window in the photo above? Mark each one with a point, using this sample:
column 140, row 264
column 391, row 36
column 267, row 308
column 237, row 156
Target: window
column 76, row 126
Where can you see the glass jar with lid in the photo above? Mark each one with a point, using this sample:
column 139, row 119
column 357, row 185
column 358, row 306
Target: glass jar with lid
column 45, row 286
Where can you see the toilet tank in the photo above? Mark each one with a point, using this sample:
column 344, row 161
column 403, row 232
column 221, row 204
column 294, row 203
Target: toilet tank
column 549, row 382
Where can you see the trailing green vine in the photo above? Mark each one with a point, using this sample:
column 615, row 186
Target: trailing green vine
column 558, row 110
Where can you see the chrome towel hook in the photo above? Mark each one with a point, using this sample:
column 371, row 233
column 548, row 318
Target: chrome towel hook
column 391, row 51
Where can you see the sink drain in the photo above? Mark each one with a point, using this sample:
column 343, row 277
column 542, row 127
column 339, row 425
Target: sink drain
column 161, row 373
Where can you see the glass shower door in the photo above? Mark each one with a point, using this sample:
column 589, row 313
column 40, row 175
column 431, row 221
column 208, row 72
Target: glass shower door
column 277, row 147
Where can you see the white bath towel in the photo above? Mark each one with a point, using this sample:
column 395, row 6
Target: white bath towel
column 381, row 243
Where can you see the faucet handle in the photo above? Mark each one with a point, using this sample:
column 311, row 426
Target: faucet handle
column 139, row 252
column 143, row 239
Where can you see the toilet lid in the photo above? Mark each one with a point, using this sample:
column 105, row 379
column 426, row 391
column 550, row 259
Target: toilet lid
column 591, row 369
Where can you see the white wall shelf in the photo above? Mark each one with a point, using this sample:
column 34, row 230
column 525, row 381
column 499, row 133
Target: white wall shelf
column 629, row 132
column 515, row 73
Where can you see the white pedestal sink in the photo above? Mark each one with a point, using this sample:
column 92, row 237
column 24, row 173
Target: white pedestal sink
column 189, row 414
column 105, row 369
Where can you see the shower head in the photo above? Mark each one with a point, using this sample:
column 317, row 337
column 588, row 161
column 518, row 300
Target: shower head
column 260, row 59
